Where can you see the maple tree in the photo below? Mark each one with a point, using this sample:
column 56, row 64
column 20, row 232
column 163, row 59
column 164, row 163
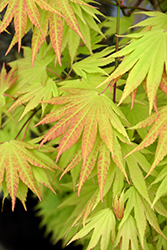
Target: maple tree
column 83, row 124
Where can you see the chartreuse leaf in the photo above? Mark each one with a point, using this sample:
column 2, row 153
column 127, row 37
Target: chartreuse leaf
column 135, row 201
column 135, row 163
column 157, row 21
column 127, row 235
column 103, row 225
column 37, row 72
column 83, row 111
column 161, row 242
column 92, row 64
column 142, row 213
column 158, row 129
column 144, row 59
column 6, row 81
column 16, row 159
column 161, row 190
column 37, row 39
column 34, row 93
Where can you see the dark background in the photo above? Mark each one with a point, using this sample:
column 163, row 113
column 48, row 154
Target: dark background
column 19, row 230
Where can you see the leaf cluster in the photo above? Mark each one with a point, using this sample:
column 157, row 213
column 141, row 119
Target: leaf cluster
column 83, row 125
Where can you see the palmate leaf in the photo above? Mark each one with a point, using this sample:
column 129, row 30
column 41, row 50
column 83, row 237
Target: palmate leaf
column 49, row 15
column 19, row 10
column 34, row 93
column 142, row 214
column 87, row 113
column 144, row 58
column 38, row 72
column 103, row 225
column 127, row 235
column 159, row 128
column 16, row 159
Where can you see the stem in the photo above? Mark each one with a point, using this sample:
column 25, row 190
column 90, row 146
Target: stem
column 55, row 74
column 116, row 47
column 35, row 111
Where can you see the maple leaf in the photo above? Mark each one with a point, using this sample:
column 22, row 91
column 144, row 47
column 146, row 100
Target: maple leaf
column 34, row 93
column 38, row 72
column 145, row 60
column 83, row 112
column 103, row 225
column 19, row 10
column 158, row 129
column 16, row 159
column 6, row 81
column 127, row 235
column 161, row 189
column 142, row 214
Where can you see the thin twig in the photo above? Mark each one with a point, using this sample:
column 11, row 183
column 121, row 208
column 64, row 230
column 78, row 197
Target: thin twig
column 55, row 74
column 35, row 111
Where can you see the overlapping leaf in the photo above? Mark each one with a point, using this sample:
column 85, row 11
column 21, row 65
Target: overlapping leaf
column 6, row 81
column 16, row 159
column 38, row 72
column 86, row 113
column 144, row 58
column 49, row 15
column 142, row 214
column 159, row 128
column 19, row 10
column 34, row 93
column 103, row 226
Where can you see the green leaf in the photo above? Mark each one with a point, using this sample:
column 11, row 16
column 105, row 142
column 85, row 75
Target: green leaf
column 127, row 234
column 103, row 226
column 34, row 93
column 145, row 59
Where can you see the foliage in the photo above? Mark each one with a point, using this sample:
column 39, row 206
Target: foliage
column 83, row 124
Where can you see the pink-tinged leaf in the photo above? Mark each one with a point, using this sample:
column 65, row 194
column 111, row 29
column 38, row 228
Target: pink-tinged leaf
column 89, row 134
column 163, row 83
column 151, row 217
column 159, row 128
column 70, row 18
column 118, row 159
column 72, row 135
column 88, row 167
column 88, row 208
column 133, row 94
column 87, row 111
column 56, row 34
column 43, row 4
column 14, row 39
column 8, row 14
column 160, row 150
column 73, row 163
column 20, row 21
column 16, row 160
column 103, row 164
column 118, row 206
column 105, row 129
column 37, row 39
column 34, row 15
